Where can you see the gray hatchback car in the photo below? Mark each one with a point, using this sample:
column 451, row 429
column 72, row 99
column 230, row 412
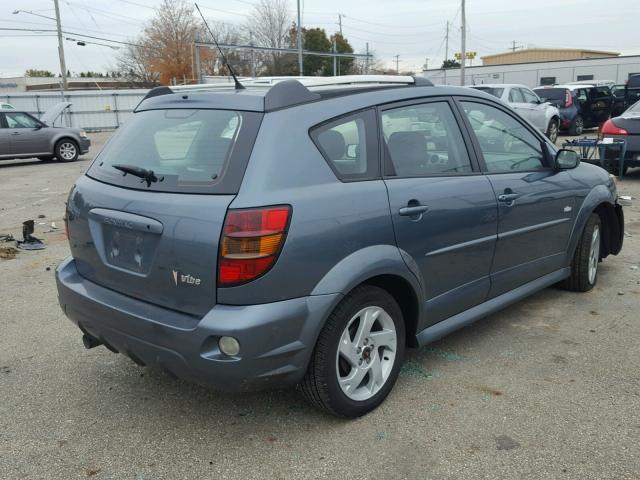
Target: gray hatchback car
column 285, row 234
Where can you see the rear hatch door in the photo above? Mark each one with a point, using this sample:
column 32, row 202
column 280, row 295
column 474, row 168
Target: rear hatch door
column 146, row 219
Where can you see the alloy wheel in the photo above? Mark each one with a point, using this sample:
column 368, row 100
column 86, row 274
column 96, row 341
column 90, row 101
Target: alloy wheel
column 67, row 151
column 366, row 353
column 594, row 255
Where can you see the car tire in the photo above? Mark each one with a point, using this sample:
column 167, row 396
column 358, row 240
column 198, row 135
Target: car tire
column 577, row 126
column 357, row 358
column 67, row 150
column 584, row 266
column 552, row 130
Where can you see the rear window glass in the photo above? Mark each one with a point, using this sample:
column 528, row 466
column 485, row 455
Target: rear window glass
column 551, row 93
column 187, row 150
column 496, row 92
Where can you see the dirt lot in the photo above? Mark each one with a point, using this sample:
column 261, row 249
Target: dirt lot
column 549, row 388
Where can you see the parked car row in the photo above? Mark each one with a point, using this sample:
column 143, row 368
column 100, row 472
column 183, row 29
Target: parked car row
column 571, row 107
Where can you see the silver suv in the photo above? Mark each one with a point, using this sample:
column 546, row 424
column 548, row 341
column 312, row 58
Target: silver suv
column 544, row 116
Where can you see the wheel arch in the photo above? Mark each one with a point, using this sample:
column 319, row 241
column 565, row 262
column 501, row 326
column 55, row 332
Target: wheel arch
column 62, row 136
column 382, row 266
column 599, row 201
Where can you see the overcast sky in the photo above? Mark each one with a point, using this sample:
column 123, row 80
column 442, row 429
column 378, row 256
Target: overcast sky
column 414, row 29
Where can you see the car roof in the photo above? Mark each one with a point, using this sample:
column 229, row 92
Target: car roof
column 568, row 86
column 499, row 85
column 266, row 96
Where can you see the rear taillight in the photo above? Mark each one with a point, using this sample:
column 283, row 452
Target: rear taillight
column 610, row 128
column 251, row 242
column 568, row 99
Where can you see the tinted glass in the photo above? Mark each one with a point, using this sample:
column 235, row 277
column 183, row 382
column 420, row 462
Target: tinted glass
column 348, row 147
column 424, row 140
column 20, row 120
column 189, row 149
column 495, row 91
column 634, row 81
column 529, row 96
column 551, row 93
column 515, row 96
column 506, row 144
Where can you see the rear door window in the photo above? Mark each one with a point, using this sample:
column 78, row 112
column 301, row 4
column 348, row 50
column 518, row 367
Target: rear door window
column 423, row 140
column 349, row 145
column 515, row 96
column 188, row 150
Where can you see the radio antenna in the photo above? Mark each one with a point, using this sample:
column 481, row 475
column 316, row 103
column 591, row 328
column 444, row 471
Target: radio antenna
column 238, row 85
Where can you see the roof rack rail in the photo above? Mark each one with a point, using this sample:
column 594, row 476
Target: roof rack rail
column 288, row 91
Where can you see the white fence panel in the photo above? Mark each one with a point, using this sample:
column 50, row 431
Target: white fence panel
column 90, row 109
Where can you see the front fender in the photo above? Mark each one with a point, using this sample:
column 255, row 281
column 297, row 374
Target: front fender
column 364, row 264
column 598, row 195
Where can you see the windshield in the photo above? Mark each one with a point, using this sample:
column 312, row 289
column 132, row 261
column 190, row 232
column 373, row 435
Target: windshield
column 496, row 92
column 547, row 94
column 187, row 150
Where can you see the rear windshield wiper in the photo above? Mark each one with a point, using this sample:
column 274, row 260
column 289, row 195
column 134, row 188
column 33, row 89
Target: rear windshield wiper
column 145, row 175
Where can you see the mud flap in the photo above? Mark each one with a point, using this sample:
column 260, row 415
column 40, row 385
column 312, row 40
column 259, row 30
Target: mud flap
column 617, row 230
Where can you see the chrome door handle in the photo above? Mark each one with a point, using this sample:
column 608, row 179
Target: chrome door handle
column 508, row 197
column 413, row 210
column 15, row 133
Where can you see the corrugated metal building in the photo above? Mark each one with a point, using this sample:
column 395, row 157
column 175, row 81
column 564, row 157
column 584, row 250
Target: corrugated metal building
column 615, row 69
column 529, row 55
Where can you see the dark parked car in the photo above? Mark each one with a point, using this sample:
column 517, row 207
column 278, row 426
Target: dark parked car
column 581, row 106
column 632, row 90
column 626, row 127
column 283, row 235
column 24, row 136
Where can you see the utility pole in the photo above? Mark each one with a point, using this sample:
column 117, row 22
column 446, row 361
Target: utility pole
column 446, row 51
column 299, row 38
column 63, row 64
column 366, row 61
column 397, row 57
column 463, row 49
column 253, row 56
column 340, row 24
column 514, row 47
column 335, row 59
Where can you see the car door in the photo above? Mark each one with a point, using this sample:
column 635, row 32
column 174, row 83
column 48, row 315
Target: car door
column 537, row 109
column 535, row 201
column 601, row 100
column 5, row 138
column 443, row 210
column 29, row 136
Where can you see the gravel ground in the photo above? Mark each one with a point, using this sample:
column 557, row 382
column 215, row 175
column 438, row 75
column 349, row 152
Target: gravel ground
column 548, row 388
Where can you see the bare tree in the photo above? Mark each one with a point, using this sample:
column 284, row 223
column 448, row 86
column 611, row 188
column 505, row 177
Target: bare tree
column 229, row 34
column 270, row 25
column 133, row 65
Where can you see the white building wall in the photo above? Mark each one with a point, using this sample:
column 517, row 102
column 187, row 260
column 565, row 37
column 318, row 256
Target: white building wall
column 616, row 69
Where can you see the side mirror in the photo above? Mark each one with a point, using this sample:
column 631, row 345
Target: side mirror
column 38, row 126
column 567, row 159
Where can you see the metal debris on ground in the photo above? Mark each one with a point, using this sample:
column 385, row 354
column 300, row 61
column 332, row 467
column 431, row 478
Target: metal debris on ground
column 6, row 237
column 29, row 242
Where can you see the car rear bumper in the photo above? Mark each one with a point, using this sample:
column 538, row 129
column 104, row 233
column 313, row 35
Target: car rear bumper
column 276, row 339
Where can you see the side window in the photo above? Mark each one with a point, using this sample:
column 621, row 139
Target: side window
column 581, row 95
column 515, row 96
column 350, row 145
column 20, row 120
column 506, row 143
column 423, row 140
column 529, row 96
